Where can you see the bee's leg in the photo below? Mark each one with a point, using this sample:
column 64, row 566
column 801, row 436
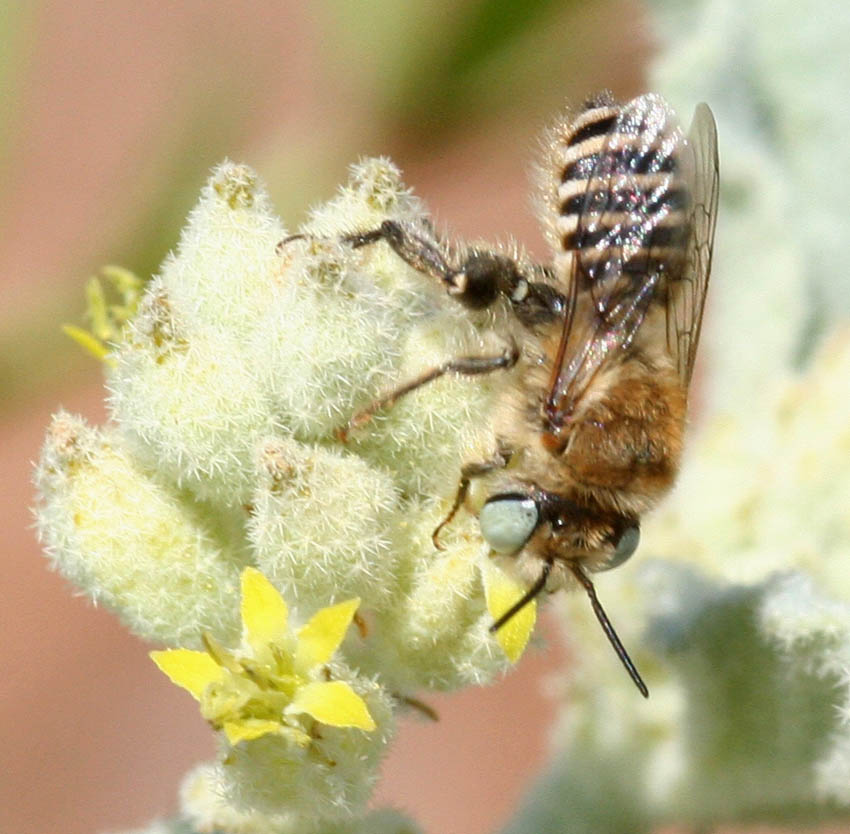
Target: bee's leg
column 469, row 471
column 422, row 254
column 420, row 706
column 464, row 366
column 282, row 244
column 477, row 281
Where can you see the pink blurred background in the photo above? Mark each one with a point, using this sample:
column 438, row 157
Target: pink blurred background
column 114, row 114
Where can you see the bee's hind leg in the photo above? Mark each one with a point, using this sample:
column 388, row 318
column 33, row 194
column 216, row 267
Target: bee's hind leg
column 464, row 366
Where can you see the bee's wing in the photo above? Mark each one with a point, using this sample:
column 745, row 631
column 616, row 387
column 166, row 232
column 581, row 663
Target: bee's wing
column 701, row 171
column 627, row 230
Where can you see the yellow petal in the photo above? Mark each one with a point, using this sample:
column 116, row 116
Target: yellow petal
column 264, row 612
column 334, row 703
column 87, row 341
column 96, row 302
column 502, row 592
column 249, row 728
column 321, row 636
column 192, row 670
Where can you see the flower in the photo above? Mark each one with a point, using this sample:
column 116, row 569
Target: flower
column 276, row 677
column 107, row 319
column 229, row 375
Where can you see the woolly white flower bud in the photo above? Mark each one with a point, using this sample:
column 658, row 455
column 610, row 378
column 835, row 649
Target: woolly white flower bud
column 330, row 341
column 226, row 256
column 185, row 387
column 167, row 565
column 186, row 403
column 374, row 192
column 441, row 630
column 204, row 804
column 323, row 525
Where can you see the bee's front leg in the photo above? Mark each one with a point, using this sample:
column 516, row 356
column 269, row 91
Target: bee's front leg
column 473, row 469
column 476, row 282
column 480, row 277
column 415, row 250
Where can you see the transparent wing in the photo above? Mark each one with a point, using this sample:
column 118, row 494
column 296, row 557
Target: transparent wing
column 627, row 236
column 701, row 171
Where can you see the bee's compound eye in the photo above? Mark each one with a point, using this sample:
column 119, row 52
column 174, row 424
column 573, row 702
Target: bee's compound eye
column 626, row 546
column 507, row 522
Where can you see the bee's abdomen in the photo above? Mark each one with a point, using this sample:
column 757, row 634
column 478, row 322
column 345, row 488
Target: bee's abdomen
column 623, row 207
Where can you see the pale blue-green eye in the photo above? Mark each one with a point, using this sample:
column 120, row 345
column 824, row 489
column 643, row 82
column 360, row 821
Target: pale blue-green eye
column 507, row 523
column 626, row 546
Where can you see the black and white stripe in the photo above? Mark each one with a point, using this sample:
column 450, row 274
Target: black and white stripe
column 623, row 207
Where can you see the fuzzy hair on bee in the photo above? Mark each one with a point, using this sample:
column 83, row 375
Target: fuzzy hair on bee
column 599, row 345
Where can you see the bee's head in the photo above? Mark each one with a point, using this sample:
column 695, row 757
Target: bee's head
column 557, row 529
column 605, row 540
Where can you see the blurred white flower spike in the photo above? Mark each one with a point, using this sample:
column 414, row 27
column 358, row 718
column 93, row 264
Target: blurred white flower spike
column 746, row 605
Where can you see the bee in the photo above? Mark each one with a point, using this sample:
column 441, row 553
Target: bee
column 600, row 345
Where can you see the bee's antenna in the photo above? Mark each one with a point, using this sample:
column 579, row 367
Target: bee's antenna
column 619, row 648
column 529, row 595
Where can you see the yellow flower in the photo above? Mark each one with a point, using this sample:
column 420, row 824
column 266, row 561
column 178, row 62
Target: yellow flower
column 276, row 676
column 107, row 319
column 501, row 592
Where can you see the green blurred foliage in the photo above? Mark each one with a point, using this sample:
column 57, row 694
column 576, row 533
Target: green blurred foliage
column 16, row 32
column 572, row 797
column 439, row 64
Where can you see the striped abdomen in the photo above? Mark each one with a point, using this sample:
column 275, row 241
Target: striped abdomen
column 623, row 206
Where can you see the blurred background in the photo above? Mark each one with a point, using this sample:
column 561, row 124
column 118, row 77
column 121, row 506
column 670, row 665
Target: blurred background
column 113, row 115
